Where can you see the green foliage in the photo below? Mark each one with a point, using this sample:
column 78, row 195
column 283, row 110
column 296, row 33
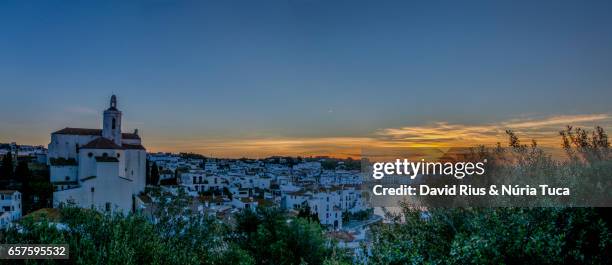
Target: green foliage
column 97, row 238
column 509, row 235
column 6, row 168
column 273, row 238
column 348, row 163
column 22, row 172
column 192, row 156
column 494, row 236
column 306, row 213
column 359, row 216
column 37, row 190
column 154, row 175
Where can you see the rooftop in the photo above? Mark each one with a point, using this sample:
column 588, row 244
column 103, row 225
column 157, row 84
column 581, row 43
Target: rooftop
column 101, row 143
column 95, row 132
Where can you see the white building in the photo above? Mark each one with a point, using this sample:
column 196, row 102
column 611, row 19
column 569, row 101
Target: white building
column 327, row 206
column 200, row 181
column 102, row 169
column 10, row 207
column 328, row 203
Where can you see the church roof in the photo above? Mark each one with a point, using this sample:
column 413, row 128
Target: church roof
column 132, row 146
column 97, row 132
column 79, row 131
column 130, row 136
column 101, row 143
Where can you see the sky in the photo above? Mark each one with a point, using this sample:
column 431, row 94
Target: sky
column 305, row 77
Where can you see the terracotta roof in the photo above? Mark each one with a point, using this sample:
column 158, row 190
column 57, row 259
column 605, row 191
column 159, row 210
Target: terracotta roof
column 342, row 236
column 47, row 213
column 264, row 202
column 133, row 146
column 130, row 136
column 84, row 131
column 101, row 143
column 79, row 131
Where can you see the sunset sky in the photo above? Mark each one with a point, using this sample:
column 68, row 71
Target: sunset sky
column 306, row 77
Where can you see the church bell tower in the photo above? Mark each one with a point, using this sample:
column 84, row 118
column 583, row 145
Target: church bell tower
column 111, row 125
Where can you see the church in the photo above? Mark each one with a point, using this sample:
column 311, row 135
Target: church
column 102, row 169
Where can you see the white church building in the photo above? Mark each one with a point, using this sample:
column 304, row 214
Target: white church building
column 100, row 169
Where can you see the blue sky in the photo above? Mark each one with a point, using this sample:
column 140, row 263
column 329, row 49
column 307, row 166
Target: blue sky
column 209, row 76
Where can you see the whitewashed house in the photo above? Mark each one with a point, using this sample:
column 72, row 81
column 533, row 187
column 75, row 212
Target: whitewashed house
column 10, row 207
column 97, row 168
column 327, row 206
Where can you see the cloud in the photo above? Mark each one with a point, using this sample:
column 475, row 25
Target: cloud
column 263, row 147
column 556, row 121
column 439, row 134
column 442, row 133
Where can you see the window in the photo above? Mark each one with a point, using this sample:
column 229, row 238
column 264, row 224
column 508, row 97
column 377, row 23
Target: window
column 114, row 123
column 90, row 154
column 118, row 155
column 104, row 155
column 108, row 206
column 77, row 148
column 67, row 178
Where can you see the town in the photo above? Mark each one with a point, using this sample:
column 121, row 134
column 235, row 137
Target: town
column 110, row 171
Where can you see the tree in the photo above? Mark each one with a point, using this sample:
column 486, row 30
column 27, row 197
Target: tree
column 493, row 236
column 584, row 146
column 154, row 174
column 23, row 175
column 288, row 240
column 306, row 213
column 22, row 172
column 6, row 169
column 178, row 236
column 227, row 193
column 169, row 182
column 508, row 235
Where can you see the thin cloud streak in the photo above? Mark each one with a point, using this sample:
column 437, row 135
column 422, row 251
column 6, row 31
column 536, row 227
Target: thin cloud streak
column 439, row 134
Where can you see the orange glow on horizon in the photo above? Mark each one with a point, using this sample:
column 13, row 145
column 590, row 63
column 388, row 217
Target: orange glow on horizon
column 442, row 134
column 438, row 134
